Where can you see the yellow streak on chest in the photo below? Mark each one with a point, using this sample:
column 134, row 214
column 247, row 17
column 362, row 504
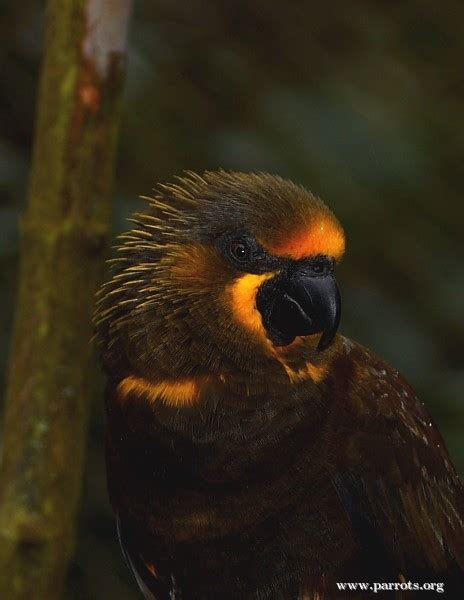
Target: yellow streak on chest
column 179, row 393
column 186, row 392
column 315, row 372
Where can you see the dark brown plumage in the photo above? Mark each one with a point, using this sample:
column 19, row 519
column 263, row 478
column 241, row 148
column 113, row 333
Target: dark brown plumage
column 251, row 452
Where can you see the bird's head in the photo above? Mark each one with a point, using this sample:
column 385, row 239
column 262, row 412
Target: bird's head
column 226, row 273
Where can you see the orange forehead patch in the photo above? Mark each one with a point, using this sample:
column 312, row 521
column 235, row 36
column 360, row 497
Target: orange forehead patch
column 323, row 236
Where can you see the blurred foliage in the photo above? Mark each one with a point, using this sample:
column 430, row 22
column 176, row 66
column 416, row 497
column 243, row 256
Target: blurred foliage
column 363, row 105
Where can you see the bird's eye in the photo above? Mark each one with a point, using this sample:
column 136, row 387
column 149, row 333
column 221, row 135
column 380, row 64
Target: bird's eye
column 240, row 251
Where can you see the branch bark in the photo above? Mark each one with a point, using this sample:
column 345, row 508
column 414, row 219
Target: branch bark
column 64, row 235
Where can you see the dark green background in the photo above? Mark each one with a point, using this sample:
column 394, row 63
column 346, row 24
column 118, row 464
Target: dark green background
column 360, row 101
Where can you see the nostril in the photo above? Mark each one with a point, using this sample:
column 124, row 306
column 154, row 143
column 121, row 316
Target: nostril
column 320, row 266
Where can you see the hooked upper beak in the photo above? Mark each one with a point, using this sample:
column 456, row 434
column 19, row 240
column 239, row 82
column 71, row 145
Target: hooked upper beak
column 297, row 303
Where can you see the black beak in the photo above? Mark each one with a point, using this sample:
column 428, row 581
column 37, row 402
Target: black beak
column 297, row 303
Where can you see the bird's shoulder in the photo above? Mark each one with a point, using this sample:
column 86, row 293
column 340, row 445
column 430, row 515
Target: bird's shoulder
column 390, row 465
column 373, row 408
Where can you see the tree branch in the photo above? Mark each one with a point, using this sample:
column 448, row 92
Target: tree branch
column 64, row 234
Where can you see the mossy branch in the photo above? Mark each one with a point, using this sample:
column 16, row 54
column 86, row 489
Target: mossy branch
column 64, row 234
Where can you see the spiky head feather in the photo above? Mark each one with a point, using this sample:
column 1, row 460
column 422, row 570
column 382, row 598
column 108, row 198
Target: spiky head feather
column 174, row 306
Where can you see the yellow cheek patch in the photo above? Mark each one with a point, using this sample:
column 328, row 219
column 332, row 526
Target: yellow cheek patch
column 324, row 236
column 243, row 301
column 173, row 393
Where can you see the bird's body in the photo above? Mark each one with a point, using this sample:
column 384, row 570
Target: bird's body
column 251, row 452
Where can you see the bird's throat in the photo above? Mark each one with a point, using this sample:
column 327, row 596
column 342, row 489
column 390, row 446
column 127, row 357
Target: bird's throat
column 187, row 392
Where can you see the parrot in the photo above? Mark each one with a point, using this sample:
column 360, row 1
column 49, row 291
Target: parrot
column 253, row 451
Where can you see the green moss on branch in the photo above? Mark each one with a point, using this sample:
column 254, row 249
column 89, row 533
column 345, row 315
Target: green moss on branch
column 64, row 235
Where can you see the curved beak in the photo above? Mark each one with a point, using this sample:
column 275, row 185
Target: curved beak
column 297, row 304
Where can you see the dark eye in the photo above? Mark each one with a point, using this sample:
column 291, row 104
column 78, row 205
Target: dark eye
column 240, row 250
